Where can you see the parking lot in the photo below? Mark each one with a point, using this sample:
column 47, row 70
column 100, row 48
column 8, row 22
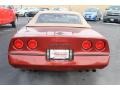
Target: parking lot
column 109, row 75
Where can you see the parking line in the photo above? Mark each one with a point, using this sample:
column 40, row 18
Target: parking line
column 111, row 23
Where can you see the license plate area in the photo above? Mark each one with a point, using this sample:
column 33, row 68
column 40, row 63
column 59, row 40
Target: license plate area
column 59, row 54
column 112, row 20
column 87, row 16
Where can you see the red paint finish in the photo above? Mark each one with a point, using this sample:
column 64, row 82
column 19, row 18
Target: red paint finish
column 44, row 43
column 7, row 16
column 40, row 62
column 91, row 58
column 87, row 48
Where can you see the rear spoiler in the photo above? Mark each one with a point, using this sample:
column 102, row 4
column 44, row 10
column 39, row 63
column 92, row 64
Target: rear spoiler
column 59, row 25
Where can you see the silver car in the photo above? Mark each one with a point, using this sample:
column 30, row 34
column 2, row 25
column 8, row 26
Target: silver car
column 112, row 14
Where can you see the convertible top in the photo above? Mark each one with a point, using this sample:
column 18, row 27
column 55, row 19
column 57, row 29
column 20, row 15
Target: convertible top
column 83, row 23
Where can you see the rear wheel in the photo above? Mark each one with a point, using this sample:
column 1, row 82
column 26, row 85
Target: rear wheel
column 119, row 21
column 96, row 19
column 94, row 70
column 13, row 24
column 104, row 20
column 99, row 19
column 26, row 15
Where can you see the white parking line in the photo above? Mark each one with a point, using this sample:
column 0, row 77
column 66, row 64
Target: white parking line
column 111, row 23
column 3, row 31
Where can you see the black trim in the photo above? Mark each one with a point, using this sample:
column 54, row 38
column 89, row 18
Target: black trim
column 29, row 54
column 35, row 54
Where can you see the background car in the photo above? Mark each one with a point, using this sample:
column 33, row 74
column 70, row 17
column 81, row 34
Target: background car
column 22, row 12
column 59, row 9
column 34, row 12
column 7, row 16
column 92, row 14
column 58, row 41
column 112, row 14
column 25, row 11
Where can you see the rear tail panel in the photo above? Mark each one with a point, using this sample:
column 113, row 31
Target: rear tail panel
column 72, row 43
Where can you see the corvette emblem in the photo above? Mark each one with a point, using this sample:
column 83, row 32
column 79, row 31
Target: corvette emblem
column 59, row 33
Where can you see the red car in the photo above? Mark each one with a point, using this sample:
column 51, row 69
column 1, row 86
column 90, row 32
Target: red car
column 58, row 41
column 7, row 16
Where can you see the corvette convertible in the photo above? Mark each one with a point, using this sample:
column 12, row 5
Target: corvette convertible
column 7, row 16
column 58, row 41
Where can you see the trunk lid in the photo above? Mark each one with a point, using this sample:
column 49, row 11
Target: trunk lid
column 58, row 38
column 57, row 32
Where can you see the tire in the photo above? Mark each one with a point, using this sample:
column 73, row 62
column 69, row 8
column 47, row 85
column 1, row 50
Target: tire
column 99, row 19
column 26, row 15
column 118, row 21
column 13, row 24
column 104, row 20
column 96, row 19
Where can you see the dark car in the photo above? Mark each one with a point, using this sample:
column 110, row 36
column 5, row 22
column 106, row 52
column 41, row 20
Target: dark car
column 33, row 13
column 112, row 14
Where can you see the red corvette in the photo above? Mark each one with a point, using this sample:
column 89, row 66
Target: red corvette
column 58, row 41
column 7, row 16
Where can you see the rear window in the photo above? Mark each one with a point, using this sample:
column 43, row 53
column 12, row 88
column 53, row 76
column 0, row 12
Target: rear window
column 58, row 18
column 114, row 8
column 91, row 10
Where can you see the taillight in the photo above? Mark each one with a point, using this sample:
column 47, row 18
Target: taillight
column 100, row 45
column 18, row 43
column 86, row 44
column 32, row 44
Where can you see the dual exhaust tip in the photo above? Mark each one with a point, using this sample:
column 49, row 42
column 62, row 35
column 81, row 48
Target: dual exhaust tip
column 87, row 70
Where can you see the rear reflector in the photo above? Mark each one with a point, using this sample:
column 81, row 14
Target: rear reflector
column 32, row 44
column 86, row 44
column 18, row 43
column 99, row 45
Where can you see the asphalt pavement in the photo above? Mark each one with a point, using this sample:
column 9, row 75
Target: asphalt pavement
column 109, row 75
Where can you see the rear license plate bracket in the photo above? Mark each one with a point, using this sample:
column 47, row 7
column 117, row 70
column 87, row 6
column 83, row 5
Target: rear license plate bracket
column 59, row 54
column 112, row 20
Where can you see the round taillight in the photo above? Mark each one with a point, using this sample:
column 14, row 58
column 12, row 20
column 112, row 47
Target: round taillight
column 18, row 43
column 86, row 44
column 99, row 45
column 32, row 44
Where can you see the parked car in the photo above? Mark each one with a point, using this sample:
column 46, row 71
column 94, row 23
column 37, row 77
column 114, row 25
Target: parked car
column 59, row 9
column 22, row 12
column 58, row 41
column 34, row 12
column 25, row 11
column 92, row 14
column 31, row 13
column 7, row 16
column 112, row 14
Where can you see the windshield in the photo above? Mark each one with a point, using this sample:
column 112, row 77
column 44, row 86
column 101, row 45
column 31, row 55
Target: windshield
column 58, row 18
column 91, row 10
column 114, row 8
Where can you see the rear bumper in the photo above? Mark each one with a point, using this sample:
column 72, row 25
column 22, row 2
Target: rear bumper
column 31, row 14
column 92, row 19
column 6, row 21
column 20, row 14
column 108, row 18
column 40, row 62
